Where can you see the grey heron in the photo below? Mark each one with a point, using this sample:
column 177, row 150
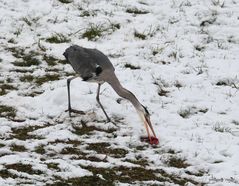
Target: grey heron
column 93, row 66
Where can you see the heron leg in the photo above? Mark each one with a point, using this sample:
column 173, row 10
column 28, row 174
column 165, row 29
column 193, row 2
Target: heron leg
column 69, row 98
column 101, row 106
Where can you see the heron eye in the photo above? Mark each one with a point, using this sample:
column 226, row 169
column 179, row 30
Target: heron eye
column 98, row 70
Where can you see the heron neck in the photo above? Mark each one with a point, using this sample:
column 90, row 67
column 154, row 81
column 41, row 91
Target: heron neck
column 123, row 92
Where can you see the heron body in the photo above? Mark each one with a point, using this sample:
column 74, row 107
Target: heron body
column 88, row 63
column 93, row 66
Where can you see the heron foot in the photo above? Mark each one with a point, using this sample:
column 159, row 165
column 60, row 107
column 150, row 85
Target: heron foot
column 112, row 121
column 70, row 110
column 108, row 120
column 151, row 140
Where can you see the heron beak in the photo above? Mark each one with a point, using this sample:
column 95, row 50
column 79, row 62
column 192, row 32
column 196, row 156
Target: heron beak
column 148, row 123
column 153, row 140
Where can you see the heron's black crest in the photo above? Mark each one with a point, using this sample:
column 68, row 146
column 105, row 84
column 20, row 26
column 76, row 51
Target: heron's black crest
column 98, row 70
column 146, row 110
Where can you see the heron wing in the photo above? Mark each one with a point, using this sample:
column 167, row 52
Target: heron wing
column 101, row 59
column 81, row 61
column 88, row 63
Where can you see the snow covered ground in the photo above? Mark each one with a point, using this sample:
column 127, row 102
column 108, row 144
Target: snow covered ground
column 179, row 57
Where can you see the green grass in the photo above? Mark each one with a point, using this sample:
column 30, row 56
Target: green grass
column 228, row 82
column 5, row 88
column 93, row 32
column 76, row 154
column 21, row 70
column 27, row 168
column 58, row 38
column 138, row 161
column 27, row 21
column 218, row 161
column 84, row 129
column 223, row 83
column 177, row 162
column 199, row 48
column 18, row 31
column 178, row 84
column 24, row 59
column 27, row 78
column 27, row 61
column 104, row 148
column 33, row 93
column 157, row 50
column 30, row 21
column 86, row 180
column 132, row 67
column 40, row 149
column 53, row 166
column 75, row 143
column 5, row 173
column 235, row 122
column 51, row 61
column 12, row 40
column 66, row 1
column 136, row 11
column 139, row 35
column 163, row 92
column 219, row 128
column 63, row 61
column 115, row 26
column 199, row 173
column 185, row 113
column 22, row 133
column 47, row 78
column 87, row 13
column 17, row 52
column 203, row 110
column 18, row 148
column 40, row 80
column 173, row 55
column 208, row 22
column 72, row 151
column 124, row 174
column 7, row 111
column 132, row 174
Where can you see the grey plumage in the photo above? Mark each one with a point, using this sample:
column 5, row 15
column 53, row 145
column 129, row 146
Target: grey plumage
column 88, row 63
column 93, row 66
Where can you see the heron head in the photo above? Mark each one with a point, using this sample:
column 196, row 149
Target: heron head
column 145, row 116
